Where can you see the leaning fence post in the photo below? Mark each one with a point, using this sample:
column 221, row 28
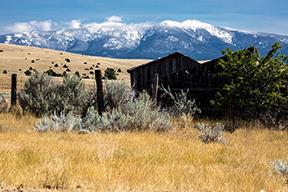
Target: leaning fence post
column 14, row 90
column 99, row 89
column 155, row 88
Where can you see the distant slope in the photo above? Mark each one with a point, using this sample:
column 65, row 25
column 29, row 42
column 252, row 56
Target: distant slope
column 17, row 59
column 199, row 40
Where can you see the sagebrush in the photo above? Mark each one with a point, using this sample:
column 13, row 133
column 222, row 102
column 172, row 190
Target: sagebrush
column 43, row 97
column 138, row 115
column 211, row 133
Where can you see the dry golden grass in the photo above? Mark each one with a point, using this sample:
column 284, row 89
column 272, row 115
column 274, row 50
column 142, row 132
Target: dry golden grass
column 14, row 57
column 173, row 161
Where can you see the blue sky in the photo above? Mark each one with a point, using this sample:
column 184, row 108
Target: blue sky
column 251, row 15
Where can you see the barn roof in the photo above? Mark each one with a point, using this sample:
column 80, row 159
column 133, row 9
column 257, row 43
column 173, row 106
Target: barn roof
column 161, row 60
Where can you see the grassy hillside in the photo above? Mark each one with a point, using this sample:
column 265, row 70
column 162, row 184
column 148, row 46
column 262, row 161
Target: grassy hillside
column 18, row 59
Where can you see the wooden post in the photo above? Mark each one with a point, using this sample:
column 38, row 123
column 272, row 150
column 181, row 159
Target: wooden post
column 99, row 89
column 155, row 88
column 14, row 90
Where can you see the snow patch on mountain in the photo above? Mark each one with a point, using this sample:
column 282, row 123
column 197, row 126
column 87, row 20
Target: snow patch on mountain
column 147, row 40
column 198, row 25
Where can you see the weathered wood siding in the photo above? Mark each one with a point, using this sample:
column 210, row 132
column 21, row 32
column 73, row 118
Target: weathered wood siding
column 178, row 72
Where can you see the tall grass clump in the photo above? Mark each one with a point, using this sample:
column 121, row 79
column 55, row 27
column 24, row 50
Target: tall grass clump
column 211, row 133
column 3, row 104
column 181, row 103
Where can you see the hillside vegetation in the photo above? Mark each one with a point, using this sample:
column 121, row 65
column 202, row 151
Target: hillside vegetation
column 19, row 59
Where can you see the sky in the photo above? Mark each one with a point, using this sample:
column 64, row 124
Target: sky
column 250, row 15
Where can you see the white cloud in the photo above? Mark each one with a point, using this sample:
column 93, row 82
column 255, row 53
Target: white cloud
column 48, row 25
column 31, row 26
column 18, row 27
column 114, row 19
column 75, row 24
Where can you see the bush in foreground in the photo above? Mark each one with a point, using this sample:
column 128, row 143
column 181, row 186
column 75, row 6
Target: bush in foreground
column 281, row 168
column 116, row 94
column 211, row 134
column 42, row 97
column 35, row 97
column 138, row 115
column 63, row 123
column 254, row 86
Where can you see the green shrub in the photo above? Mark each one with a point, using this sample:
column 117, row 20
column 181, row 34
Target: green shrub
column 28, row 73
column 115, row 94
column 70, row 96
column 138, row 115
column 36, row 94
column 61, row 123
column 110, row 74
column 253, row 85
column 52, row 73
column 77, row 74
column 144, row 115
column 5, row 72
column 41, row 97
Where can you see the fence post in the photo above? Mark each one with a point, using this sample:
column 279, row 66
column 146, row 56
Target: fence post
column 14, row 90
column 99, row 89
column 155, row 88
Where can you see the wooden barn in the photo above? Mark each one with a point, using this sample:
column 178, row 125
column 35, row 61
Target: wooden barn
column 178, row 72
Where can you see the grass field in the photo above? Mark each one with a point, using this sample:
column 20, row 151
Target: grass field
column 172, row 161
column 18, row 59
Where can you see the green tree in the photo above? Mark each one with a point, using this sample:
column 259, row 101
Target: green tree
column 253, row 85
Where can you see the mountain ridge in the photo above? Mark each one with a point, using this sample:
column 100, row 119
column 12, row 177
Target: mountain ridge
column 193, row 38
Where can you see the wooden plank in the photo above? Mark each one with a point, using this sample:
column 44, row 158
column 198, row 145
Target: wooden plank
column 155, row 88
column 145, row 77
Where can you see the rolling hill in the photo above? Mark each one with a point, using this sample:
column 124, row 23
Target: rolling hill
column 18, row 59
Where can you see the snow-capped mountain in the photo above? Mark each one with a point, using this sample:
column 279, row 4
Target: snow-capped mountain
column 194, row 38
